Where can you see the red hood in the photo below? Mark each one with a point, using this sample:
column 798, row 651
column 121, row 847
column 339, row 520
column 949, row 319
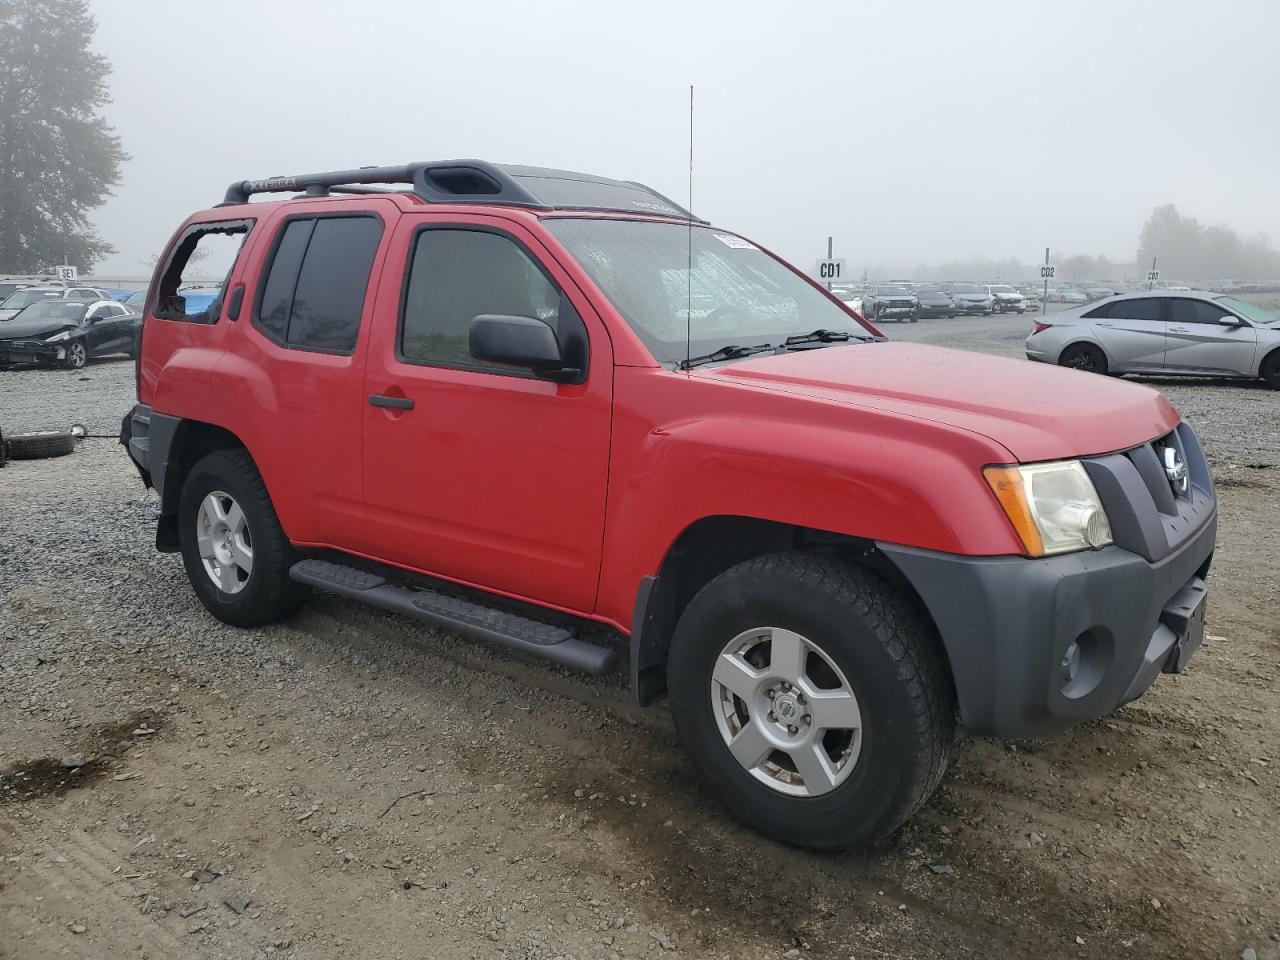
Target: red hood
column 1035, row 411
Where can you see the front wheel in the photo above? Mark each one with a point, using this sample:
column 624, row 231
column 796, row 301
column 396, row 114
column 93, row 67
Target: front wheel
column 812, row 699
column 77, row 355
column 236, row 554
column 1084, row 356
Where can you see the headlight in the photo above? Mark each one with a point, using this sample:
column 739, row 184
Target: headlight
column 65, row 334
column 1052, row 506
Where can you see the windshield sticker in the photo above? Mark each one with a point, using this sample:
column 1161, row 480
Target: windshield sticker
column 736, row 242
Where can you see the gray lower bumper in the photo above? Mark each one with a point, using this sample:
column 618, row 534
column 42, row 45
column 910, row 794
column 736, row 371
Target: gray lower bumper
column 1040, row 645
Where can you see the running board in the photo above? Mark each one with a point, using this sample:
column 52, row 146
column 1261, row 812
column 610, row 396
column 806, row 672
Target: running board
column 453, row 613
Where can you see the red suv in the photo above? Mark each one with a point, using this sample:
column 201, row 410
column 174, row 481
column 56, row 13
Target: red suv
column 547, row 408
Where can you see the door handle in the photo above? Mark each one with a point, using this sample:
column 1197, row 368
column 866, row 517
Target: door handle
column 1105, row 323
column 1179, row 330
column 392, row 403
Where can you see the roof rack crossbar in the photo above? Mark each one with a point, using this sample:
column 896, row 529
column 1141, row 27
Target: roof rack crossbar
column 472, row 181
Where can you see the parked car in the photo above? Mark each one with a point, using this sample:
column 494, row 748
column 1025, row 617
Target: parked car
column 886, row 301
column 971, row 298
column 59, row 330
column 1005, row 299
column 821, row 545
column 1097, row 291
column 1197, row 333
column 21, row 299
column 12, row 283
column 851, row 297
column 934, row 301
column 1067, row 295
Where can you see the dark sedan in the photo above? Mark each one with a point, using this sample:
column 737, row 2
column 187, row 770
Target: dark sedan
column 933, row 301
column 68, row 332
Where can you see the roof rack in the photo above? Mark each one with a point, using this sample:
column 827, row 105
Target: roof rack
column 476, row 181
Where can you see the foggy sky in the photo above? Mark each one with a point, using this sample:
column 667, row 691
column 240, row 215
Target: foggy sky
column 912, row 132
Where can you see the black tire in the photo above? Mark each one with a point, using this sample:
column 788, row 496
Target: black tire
column 40, row 445
column 1271, row 370
column 1083, row 356
column 77, row 355
column 892, row 658
column 268, row 595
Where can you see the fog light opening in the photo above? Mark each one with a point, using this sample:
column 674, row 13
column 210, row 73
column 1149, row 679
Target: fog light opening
column 1084, row 663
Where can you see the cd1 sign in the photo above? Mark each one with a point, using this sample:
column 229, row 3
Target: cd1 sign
column 830, row 271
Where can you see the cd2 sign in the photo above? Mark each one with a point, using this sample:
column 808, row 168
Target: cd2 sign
column 830, row 271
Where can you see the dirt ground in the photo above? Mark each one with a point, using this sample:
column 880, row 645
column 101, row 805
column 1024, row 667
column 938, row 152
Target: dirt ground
column 349, row 784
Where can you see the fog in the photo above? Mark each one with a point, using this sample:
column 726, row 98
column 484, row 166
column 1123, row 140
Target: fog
column 912, row 133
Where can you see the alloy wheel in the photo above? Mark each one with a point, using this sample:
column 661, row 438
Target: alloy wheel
column 224, row 542
column 786, row 711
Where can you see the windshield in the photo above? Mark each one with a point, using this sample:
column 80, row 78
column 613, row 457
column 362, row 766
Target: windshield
column 67, row 310
column 1249, row 310
column 136, row 299
column 931, row 291
column 966, row 288
column 24, row 298
column 892, row 292
column 736, row 293
column 1001, row 288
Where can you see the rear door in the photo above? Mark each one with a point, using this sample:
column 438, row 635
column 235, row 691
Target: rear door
column 477, row 473
column 1132, row 332
column 1198, row 343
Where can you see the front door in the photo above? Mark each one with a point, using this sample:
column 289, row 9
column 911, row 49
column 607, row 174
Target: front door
column 1198, row 343
column 482, row 474
column 1132, row 332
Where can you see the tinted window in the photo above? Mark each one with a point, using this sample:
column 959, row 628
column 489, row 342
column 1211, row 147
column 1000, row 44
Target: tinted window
column 316, row 284
column 1147, row 308
column 1194, row 311
column 282, row 277
column 455, row 276
column 329, row 297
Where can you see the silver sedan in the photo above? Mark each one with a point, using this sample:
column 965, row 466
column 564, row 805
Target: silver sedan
column 1191, row 332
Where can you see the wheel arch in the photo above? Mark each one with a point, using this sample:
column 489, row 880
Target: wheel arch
column 190, row 441
column 1271, row 356
column 711, row 545
column 1087, row 340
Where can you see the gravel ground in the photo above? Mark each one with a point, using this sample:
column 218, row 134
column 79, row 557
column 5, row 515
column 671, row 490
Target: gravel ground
column 350, row 784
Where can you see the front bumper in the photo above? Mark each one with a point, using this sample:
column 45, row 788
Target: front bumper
column 935, row 310
column 1010, row 306
column 963, row 306
column 1037, row 646
column 31, row 351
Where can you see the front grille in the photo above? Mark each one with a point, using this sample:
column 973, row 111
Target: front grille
column 1148, row 514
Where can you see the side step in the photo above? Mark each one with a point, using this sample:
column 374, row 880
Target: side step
column 439, row 609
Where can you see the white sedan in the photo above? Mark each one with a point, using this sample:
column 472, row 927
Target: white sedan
column 1194, row 333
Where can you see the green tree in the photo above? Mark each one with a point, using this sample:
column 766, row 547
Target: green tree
column 58, row 158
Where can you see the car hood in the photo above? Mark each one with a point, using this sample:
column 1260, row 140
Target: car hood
column 973, row 296
column 1036, row 412
column 32, row 329
column 934, row 298
column 1007, row 296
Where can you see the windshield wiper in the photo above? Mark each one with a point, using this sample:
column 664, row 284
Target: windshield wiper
column 731, row 352
column 820, row 336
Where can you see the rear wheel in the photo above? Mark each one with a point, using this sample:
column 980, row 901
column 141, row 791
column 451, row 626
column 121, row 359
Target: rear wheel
column 236, row 554
column 1271, row 370
column 812, row 699
column 1084, row 356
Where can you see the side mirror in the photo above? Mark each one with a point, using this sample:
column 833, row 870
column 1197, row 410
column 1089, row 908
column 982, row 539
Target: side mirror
column 1230, row 320
column 519, row 342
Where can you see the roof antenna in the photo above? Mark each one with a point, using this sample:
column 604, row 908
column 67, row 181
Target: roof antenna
column 688, row 311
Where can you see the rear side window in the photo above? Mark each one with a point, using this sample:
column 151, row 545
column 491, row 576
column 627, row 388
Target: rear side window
column 316, row 283
column 1146, row 308
column 1194, row 311
column 205, row 255
column 456, row 275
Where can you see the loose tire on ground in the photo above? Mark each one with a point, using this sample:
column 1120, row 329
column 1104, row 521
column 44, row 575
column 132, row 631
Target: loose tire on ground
column 267, row 595
column 1084, row 356
column 887, row 653
column 40, row 445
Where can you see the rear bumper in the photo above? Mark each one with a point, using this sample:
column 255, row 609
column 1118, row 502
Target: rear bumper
column 1040, row 645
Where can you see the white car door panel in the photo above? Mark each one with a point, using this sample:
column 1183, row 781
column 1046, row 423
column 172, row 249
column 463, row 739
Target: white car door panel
column 1132, row 332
